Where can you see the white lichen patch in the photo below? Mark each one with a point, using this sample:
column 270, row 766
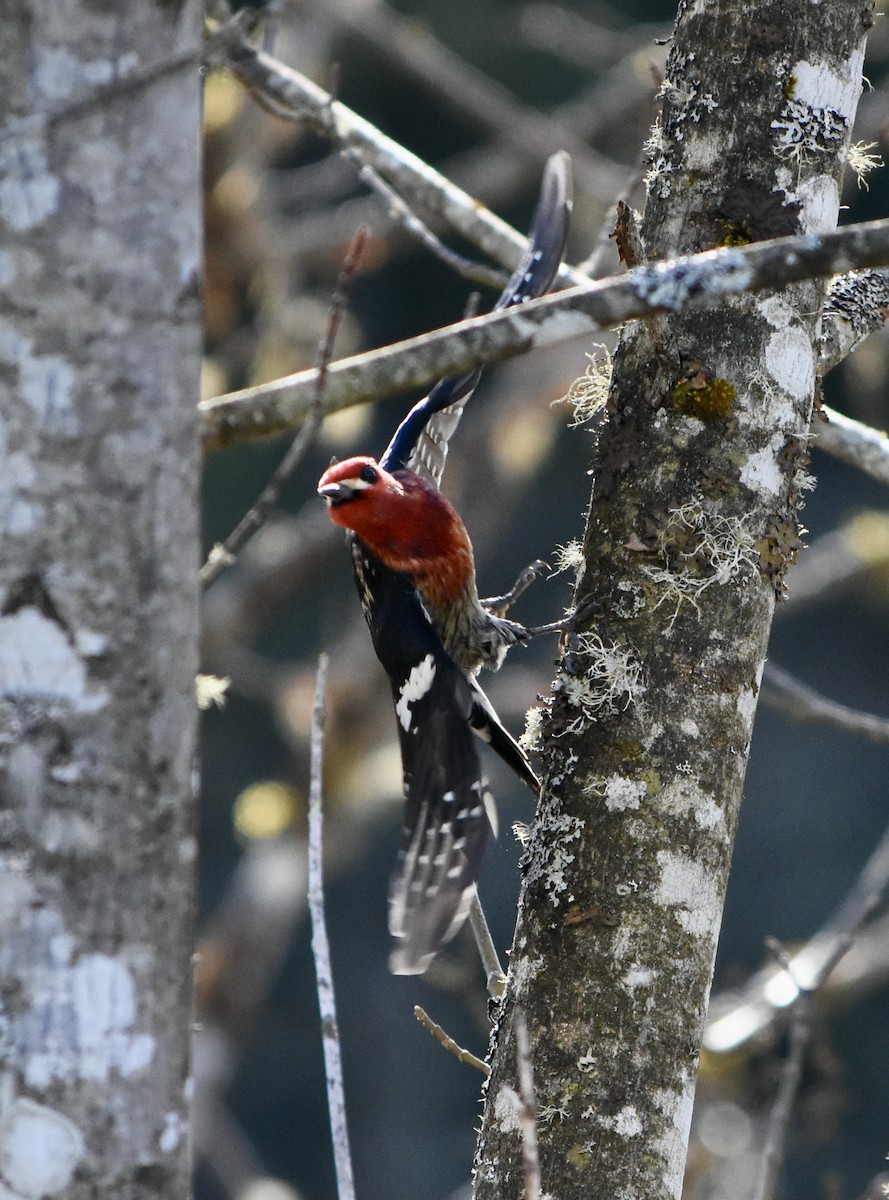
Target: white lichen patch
column 40, row 1149
column 621, row 794
column 38, row 661
column 172, row 1132
column 627, row 1123
column 746, row 703
column 690, row 890
column 554, row 845
column 684, row 796
column 506, row 1111
column 672, row 1145
column 638, row 977
column 81, row 1022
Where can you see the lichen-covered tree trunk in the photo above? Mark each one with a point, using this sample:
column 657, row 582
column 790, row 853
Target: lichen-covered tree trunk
column 99, row 363
column 692, row 523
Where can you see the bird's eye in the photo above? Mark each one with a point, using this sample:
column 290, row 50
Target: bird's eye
column 368, row 474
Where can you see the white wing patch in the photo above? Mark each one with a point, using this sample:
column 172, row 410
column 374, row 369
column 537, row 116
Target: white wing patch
column 413, row 689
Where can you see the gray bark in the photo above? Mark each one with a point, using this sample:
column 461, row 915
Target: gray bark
column 692, row 523
column 99, row 365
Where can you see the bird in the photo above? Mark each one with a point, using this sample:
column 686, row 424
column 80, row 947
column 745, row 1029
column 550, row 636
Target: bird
column 415, row 574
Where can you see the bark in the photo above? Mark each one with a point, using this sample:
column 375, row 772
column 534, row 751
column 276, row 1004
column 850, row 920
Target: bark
column 692, row 523
column 100, row 354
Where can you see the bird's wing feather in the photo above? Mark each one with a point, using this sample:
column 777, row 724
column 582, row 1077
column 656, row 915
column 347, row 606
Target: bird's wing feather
column 446, row 797
column 421, row 440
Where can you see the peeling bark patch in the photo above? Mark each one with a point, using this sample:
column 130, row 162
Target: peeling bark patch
column 690, row 890
column 819, row 86
column 29, row 192
column 677, row 1107
column 762, row 474
column 39, row 1149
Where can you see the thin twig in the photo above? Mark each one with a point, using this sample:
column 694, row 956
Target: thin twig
column 677, row 285
column 796, row 700
column 399, row 209
column 527, row 1107
column 494, row 976
column 800, row 1035
column 330, row 1034
column 465, row 1056
column 224, row 554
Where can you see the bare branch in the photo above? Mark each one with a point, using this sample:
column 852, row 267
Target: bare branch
column 418, row 183
column 796, row 700
column 494, row 974
column 330, row 1034
column 682, row 284
column 448, row 1042
column 854, row 443
column 771, row 992
column 476, row 97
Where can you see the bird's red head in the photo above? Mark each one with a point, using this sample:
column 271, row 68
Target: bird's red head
column 355, row 489
column 403, row 520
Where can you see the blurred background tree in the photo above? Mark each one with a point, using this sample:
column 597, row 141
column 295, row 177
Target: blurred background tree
column 483, row 91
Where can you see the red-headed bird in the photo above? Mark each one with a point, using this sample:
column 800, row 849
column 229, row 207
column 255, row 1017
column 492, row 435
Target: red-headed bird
column 415, row 574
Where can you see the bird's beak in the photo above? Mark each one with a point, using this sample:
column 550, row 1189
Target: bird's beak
column 335, row 493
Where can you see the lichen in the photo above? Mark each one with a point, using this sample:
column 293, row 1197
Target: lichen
column 588, row 395
column 699, row 549
column 778, row 548
column 612, row 679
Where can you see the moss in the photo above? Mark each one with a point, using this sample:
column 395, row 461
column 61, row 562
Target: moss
column 652, row 781
column 699, row 394
column 789, row 87
column 737, row 233
column 579, row 1156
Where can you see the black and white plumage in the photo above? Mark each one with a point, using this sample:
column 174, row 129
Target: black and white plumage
column 441, row 710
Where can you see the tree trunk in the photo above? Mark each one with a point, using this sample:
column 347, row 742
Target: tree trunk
column 692, row 523
column 100, row 354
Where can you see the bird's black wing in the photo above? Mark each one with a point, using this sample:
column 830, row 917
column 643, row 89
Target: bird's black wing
column 449, row 812
column 421, row 440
